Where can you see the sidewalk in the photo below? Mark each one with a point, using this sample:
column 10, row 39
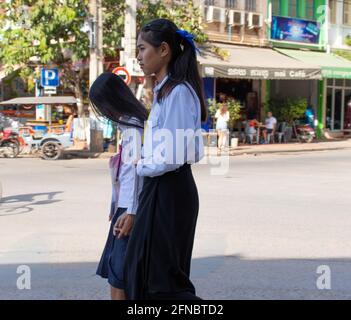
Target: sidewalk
column 243, row 149
column 291, row 147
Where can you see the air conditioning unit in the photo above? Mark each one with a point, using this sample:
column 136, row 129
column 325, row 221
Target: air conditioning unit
column 257, row 20
column 236, row 18
column 215, row 14
column 254, row 20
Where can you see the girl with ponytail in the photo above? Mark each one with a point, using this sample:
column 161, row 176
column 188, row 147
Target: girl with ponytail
column 157, row 264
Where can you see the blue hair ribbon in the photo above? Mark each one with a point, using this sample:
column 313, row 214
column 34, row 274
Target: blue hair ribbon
column 188, row 37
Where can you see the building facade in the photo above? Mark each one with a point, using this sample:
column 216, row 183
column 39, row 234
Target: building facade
column 307, row 30
column 252, row 72
column 338, row 95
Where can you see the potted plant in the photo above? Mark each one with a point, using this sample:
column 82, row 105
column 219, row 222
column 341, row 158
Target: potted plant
column 288, row 110
column 234, row 109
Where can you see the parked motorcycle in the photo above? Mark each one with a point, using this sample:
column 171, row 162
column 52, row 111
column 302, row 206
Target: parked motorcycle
column 9, row 143
column 305, row 133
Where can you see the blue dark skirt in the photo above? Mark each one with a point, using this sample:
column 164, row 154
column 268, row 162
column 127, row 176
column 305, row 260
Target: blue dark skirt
column 112, row 260
column 158, row 257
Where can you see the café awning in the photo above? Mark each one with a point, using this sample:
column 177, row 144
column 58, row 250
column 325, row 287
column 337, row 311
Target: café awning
column 332, row 66
column 41, row 100
column 254, row 63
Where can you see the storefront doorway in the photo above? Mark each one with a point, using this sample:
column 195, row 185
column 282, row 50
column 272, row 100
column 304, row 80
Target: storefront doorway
column 243, row 90
column 338, row 111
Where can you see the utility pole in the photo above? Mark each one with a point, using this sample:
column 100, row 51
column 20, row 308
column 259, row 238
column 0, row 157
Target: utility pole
column 95, row 141
column 129, row 31
column 96, row 40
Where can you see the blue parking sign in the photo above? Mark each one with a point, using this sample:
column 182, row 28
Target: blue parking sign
column 50, row 77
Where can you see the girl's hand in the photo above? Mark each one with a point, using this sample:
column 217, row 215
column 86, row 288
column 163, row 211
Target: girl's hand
column 123, row 225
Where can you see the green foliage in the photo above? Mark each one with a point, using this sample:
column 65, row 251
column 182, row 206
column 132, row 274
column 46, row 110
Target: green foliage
column 213, row 106
column 234, row 111
column 44, row 32
column 287, row 109
column 233, row 108
column 344, row 54
column 348, row 40
column 37, row 33
column 113, row 25
column 186, row 16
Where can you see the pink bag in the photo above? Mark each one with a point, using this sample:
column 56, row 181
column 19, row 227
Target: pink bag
column 115, row 165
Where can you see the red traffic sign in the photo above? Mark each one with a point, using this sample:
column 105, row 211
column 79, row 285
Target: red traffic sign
column 123, row 73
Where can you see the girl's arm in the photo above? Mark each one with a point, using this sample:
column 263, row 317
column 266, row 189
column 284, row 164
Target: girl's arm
column 217, row 114
column 130, row 181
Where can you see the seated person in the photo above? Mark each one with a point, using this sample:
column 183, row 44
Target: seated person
column 270, row 124
column 251, row 128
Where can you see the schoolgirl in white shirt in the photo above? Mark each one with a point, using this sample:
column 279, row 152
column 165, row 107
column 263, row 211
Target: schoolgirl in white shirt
column 111, row 98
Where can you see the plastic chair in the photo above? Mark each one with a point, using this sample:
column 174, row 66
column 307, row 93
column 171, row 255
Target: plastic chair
column 250, row 135
column 280, row 133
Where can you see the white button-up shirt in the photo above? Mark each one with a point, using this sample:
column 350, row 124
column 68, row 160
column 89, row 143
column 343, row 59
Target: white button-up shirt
column 173, row 132
column 130, row 182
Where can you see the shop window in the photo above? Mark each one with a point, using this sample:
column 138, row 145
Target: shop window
column 276, row 7
column 339, row 82
column 250, row 5
column 347, row 110
column 329, row 108
column 309, row 9
column 337, row 109
column 347, row 12
column 332, row 8
column 330, row 82
column 348, row 83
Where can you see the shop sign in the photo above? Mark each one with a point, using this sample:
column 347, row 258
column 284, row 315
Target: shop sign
column 261, row 73
column 295, row 30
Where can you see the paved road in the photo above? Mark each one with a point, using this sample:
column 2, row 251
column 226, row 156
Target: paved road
column 264, row 227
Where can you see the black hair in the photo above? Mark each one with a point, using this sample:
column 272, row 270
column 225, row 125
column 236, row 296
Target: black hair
column 183, row 64
column 111, row 98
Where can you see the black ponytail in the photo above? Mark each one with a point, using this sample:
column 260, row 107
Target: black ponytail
column 183, row 65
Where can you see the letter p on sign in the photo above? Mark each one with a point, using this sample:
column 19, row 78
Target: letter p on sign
column 49, row 77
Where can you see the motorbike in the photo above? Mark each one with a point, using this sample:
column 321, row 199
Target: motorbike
column 305, row 133
column 9, row 143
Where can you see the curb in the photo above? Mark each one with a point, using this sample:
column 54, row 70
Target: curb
column 240, row 153
column 67, row 154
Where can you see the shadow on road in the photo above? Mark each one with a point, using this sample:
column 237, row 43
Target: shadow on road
column 8, row 205
column 221, row 277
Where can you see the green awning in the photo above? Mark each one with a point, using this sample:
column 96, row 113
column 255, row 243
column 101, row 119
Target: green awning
column 243, row 62
column 332, row 66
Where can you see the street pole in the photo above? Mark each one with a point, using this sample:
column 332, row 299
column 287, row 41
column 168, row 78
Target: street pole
column 96, row 40
column 95, row 141
column 129, row 39
column 129, row 31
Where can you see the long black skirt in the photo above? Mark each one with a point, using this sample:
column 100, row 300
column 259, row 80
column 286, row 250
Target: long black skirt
column 158, row 257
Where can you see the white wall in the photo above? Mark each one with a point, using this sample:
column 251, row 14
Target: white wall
column 338, row 31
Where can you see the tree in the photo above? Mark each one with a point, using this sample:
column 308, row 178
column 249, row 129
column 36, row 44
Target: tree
column 288, row 110
column 186, row 16
column 37, row 33
column 54, row 33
